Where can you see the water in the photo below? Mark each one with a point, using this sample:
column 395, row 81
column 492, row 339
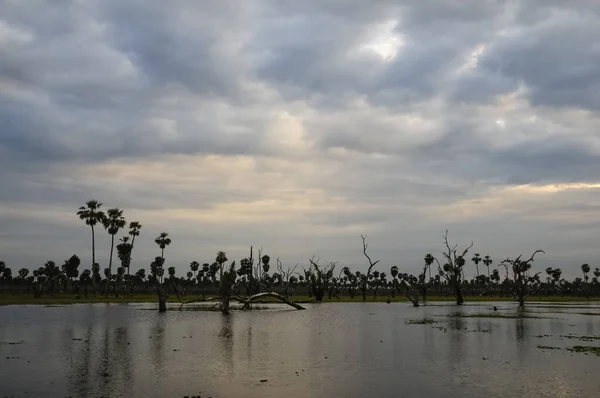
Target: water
column 329, row 350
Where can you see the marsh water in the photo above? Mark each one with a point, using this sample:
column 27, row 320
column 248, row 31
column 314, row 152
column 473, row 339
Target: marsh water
column 329, row 350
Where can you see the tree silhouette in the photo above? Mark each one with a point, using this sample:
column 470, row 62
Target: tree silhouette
column 92, row 215
column 113, row 222
column 452, row 270
column 476, row 260
column 134, row 231
column 365, row 280
column 163, row 241
column 521, row 276
column 585, row 268
column 487, row 261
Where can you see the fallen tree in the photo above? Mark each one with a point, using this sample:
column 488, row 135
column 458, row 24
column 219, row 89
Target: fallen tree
column 227, row 285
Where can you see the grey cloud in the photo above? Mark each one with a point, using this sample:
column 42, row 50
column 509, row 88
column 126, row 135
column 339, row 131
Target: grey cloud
column 120, row 82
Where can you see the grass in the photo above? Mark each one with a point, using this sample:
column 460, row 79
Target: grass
column 585, row 349
column 424, row 321
column 547, row 347
column 63, row 299
column 495, row 316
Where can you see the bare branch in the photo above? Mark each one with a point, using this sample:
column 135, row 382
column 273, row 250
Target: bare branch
column 365, row 246
column 533, row 255
column 467, row 249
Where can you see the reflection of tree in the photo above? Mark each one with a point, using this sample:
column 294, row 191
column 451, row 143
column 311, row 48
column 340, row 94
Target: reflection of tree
column 157, row 347
column 520, row 329
column 99, row 361
column 457, row 326
column 81, row 363
column 123, row 367
column 226, row 338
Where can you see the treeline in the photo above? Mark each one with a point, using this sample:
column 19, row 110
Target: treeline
column 511, row 277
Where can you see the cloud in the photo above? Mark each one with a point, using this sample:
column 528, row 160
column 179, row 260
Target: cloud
column 300, row 125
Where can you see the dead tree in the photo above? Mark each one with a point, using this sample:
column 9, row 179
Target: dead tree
column 319, row 277
column 285, row 276
column 452, row 270
column 520, row 270
column 227, row 282
column 364, row 281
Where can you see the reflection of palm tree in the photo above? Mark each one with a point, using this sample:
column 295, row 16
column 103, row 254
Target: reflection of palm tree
column 113, row 222
column 92, row 215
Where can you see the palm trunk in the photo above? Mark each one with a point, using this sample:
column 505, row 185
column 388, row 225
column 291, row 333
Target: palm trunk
column 162, row 300
column 93, row 248
column 129, row 257
column 112, row 246
column 162, row 260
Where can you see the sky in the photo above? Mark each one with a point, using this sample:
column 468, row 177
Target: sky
column 297, row 126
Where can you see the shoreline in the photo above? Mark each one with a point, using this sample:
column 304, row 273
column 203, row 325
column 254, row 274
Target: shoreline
column 68, row 299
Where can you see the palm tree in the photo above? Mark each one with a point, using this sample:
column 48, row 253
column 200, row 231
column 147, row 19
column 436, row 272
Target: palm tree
column 585, row 268
column 487, row 261
column 92, row 215
column 113, row 222
column 476, row 259
column 194, row 265
column 221, row 259
column 134, row 230
column 394, row 273
column 163, row 241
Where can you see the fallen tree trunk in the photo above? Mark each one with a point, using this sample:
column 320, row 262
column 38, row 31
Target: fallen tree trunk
column 249, row 300
column 200, row 301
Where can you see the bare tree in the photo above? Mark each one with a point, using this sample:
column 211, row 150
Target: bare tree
column 522, row 279
column 319, row 277
column 365, row 281
column 452, row 270
column 285, row 276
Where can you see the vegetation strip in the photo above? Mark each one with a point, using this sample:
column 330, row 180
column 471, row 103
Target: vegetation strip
column 254, row 278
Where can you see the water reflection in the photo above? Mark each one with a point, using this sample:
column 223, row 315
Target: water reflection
column 226, row 339
column 348, row 350
column 157, row 343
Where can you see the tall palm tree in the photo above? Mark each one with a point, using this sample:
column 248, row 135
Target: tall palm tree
column 113, row 222
column 476, row 259
column 92, row 215
column 134, row 230
column 163, row 241
column 585, row 268
column 487, row 261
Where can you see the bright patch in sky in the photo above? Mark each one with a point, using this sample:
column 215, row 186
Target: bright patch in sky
column 385, row 42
